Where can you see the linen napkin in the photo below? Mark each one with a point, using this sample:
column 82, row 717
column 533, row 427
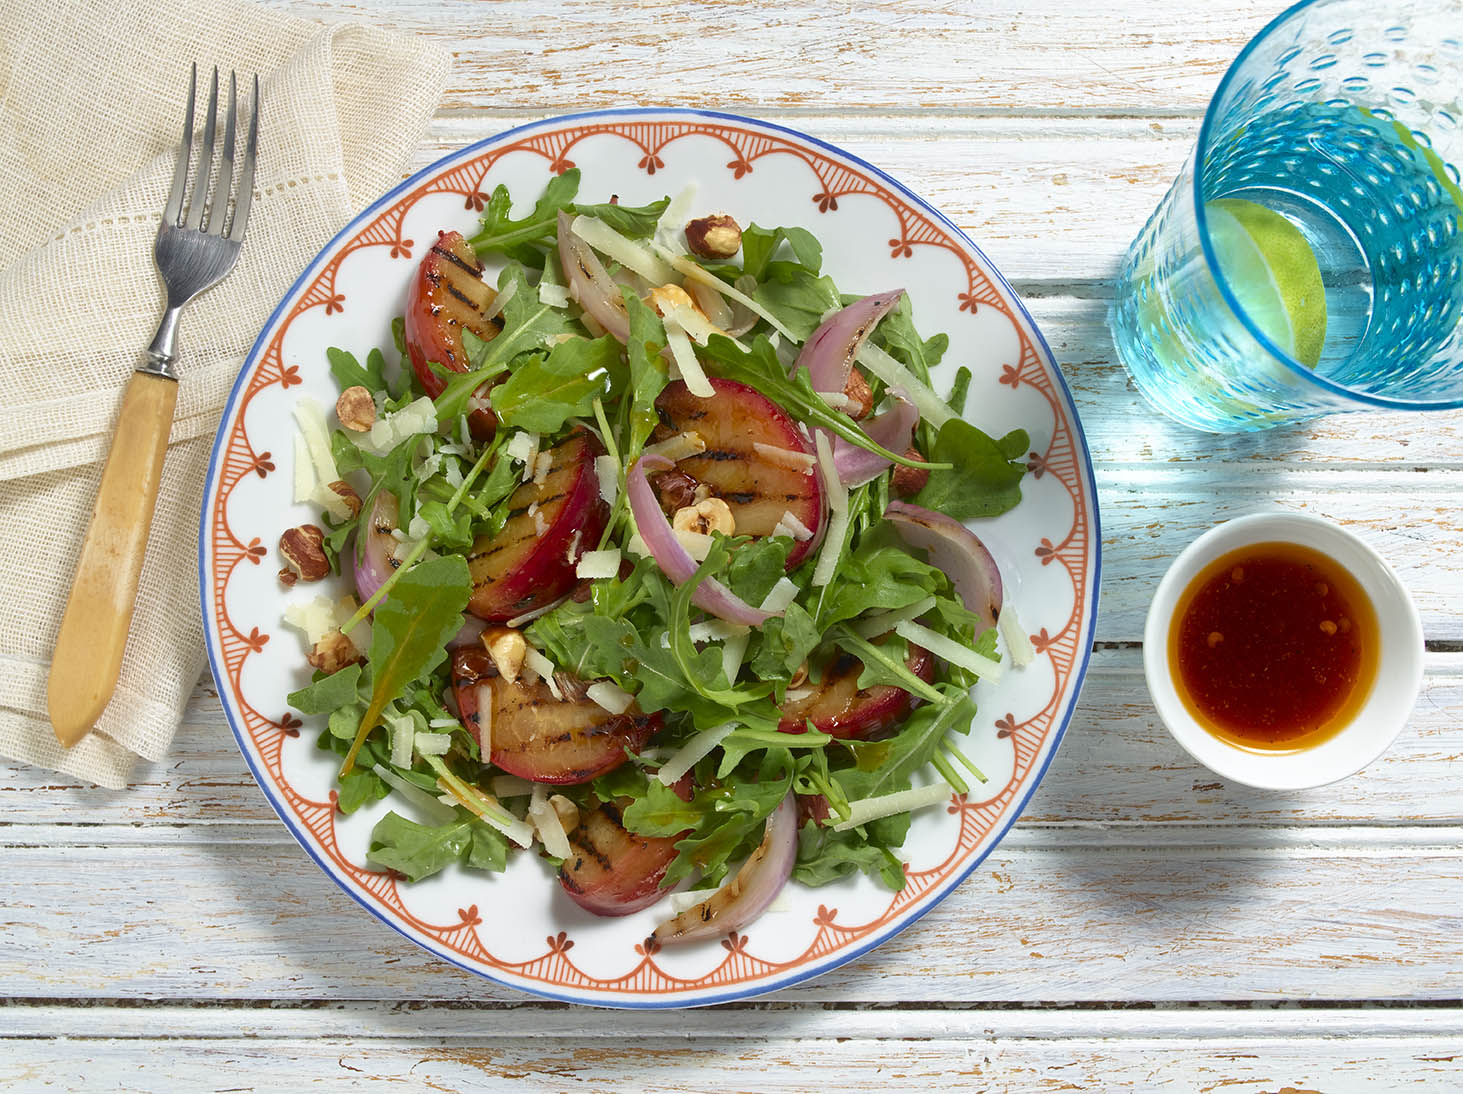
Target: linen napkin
column 91, row 106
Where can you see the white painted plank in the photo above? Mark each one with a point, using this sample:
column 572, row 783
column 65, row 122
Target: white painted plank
column 942, row 56
column 1296, row 915
column 1117, row 765
column 785, row 1060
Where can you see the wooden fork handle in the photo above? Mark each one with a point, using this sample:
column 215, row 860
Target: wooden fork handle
column 88, row 656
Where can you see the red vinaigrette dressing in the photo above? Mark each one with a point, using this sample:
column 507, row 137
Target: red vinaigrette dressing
column 1273, row 647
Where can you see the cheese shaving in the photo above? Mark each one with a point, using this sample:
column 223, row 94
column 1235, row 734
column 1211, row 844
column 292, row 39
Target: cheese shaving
column 732, row 652
column 545, row 820
column 403, row 738
column 610, row 696
column 799, row 531
column 950, row 650
column 866, row 810
column 542, row 464
column 608, row 473
column 311, row 420
column 692, row 752
column 433, row 744
column 680, row 346
column 781, row 595
column 1018, row 643
column 690, row 269
column 678, row 447
column 885, row 622
column 836, row 399
column 388, row 431
column 435, row 812
column 785, row 457
column 555, row 296
column 931, row 407
column 511, row 786
column 598, row 564
column 521, row 446
column 697, row 545
column 627, row 252
column 540, row 664
column 838, row 504
column 713, row 630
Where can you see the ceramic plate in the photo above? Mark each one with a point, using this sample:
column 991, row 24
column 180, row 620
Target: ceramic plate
column 518, row 928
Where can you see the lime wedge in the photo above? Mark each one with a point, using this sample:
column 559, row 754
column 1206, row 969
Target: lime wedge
column 1273, row 273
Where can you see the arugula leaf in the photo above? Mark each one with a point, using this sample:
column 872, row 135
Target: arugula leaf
column 329, row 693
column 897, row 335
column 543, row 393
column 759, row 245
column 756, row 566
column 876, row 577
column 786, row 642
column 649, row 375
column 419, row 851
column 409, row 633
column 634, row 221
column 348, row 372
column 760, row 368
column 884, row 767
column 983, row 480
column 797, row 296
column 501, row 233
column 825, row 856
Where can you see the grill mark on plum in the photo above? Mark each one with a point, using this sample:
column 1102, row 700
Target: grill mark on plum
column 458, row 294
column 452, row 257
column 543, row 503
column 742, row 497
column 612, row 811
column 719, row 455
column 592, row 845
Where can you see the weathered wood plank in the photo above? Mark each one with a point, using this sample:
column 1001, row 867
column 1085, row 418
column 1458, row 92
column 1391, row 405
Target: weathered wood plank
column 943, row 56
column 504, row 1048
column 1044, row 920
column 1117, row 765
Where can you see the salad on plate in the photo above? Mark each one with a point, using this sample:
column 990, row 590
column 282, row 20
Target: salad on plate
column 660, row 563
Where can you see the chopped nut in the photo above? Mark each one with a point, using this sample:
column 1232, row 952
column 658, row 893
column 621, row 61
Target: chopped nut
column 705, row 517
column 676, row 489
column 860, row 398
column 800, row 677
column 568, row 812
column 717, row 236
column 356, row 409
column 1328, row 627
column 668, row 298
column 507, row 648
column 288, row 577
column 346, row 493
column 303, row 549
column 909, row 481
column 333, row 652
column 1215, row 637
column 703, row 491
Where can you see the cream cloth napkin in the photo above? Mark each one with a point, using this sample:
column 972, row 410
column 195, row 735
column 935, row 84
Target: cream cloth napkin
column 91, row 106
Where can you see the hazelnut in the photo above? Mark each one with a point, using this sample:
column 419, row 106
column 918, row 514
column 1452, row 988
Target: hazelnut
column 676, row 489
column 344, row 491
column 333, row 652
column 716, row 236
column 288, row 577
column 568, row 812
column 860, row 398
column 303, row 549
column 909, row 481
column 356, row 409
column 668, row 298
column 507, row 648
column 705, row 517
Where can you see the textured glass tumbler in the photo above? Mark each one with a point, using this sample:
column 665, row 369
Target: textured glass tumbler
column 1345, row 117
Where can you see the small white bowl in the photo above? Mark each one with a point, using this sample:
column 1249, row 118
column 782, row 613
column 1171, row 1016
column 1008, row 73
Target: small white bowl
column 1399, row 666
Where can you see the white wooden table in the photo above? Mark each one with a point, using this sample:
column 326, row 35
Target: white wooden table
column 1145, row 923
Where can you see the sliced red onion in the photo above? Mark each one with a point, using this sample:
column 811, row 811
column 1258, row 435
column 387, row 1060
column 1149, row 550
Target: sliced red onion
column 829, row 351
column 471, row 632
column 893, row 429
column 957, row 551
column 746, row 896
column 711, row 595
column 374, row 563
column 596, row 292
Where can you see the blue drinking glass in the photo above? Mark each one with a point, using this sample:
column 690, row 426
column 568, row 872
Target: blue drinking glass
column 1309, row 258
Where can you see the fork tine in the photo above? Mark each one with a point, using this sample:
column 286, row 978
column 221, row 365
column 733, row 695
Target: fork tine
column 180, row 173
column 205, row 159
column 246, row 174
column 218, row 204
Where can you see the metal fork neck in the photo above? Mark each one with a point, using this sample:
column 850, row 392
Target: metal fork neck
column 159, row 357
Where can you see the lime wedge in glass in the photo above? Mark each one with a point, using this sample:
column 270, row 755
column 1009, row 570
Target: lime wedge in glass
column 1273, row 273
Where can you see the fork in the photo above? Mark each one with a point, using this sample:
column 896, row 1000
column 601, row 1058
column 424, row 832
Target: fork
column 198, row 243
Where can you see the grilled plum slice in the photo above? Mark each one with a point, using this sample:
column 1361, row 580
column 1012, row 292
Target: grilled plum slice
column 839, row 708
column 756, row 489
column 530, row 562
column 612, row 871
column 447, row 296
column 540, row 738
